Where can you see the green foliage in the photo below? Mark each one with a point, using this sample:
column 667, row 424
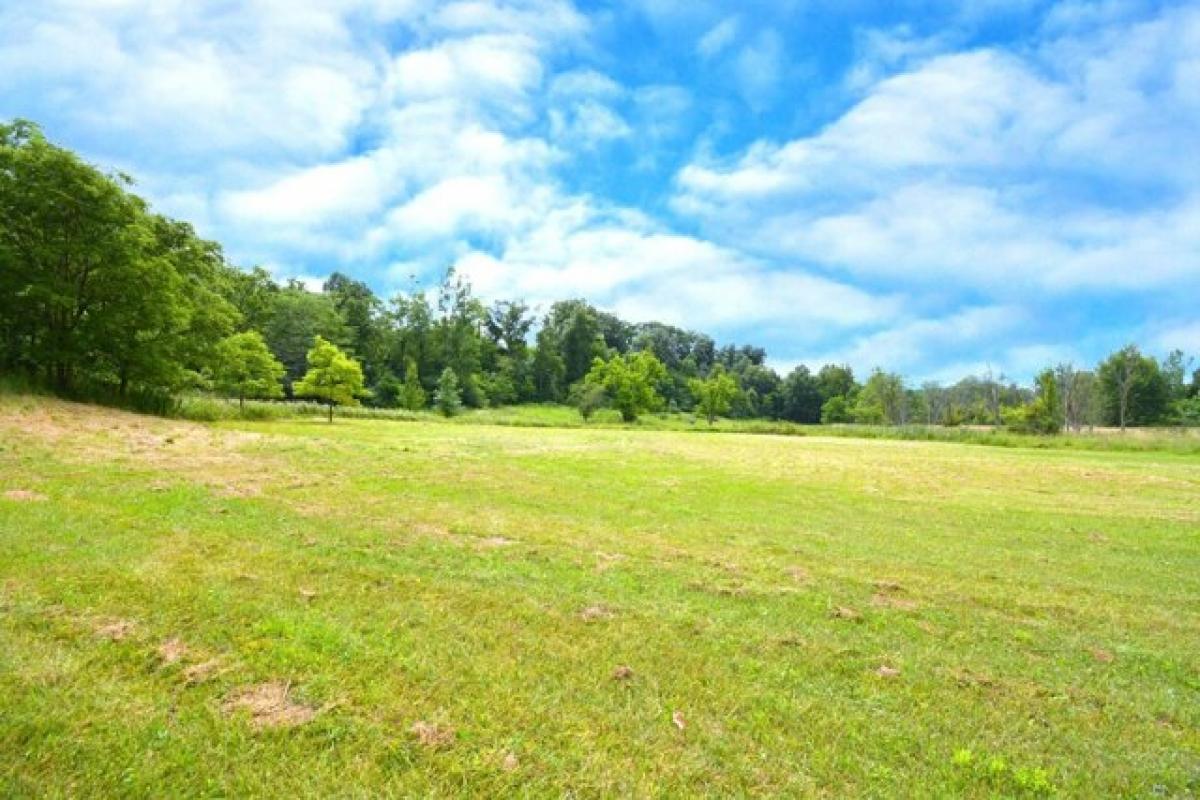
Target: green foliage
column 243, row 367
column 715, row 394
column 297, row 317
column 1044, row 415
column 882, row 400
column 1133, row 389
column 333, row 377
column 95, row 289
column 588, row 398
column 800, row 397
column 836, row 410
column 629, row 381
column 448, row 397
column 1186, row 412
column 413, row 397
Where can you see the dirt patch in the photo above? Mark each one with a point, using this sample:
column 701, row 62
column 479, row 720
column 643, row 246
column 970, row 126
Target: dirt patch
column 881, row 600
column 199, row 673
column 846, row 613
column 606, row 561
column 798, row 574
column 596, row 613
column 432, row 735
column 25, row 496
column 172, row 651
column 493, row 542
column 1102, row 655
column 623, row 673
column 510, row 762
column 270, row 706
column 115, row 630
column 885, row 671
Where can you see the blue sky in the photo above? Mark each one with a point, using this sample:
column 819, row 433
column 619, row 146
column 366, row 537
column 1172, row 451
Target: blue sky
column 936, row 187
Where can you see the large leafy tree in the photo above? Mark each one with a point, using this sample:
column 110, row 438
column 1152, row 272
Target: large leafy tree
column 629, row 381
column 836, row 380
column 297, row 317
column 93, row 285
column 363, row 314
column 1132, row 388
column 882, row 400
column 572, row 328
column 333, row 377
column 458, row 335
column 800, row 396
column 714, row 394
column 244, row 367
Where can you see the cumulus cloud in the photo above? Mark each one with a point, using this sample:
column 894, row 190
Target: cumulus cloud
column 392, row 138
column 1057, row 169
column 629, row 264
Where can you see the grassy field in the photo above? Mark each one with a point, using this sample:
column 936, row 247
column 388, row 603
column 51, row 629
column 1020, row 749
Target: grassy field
column 424, row 609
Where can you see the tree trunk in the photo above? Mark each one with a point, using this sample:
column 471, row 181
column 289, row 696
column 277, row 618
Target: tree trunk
column 241, row 403
column 331, row 412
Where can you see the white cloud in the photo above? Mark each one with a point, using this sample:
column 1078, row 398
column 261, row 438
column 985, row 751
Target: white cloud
column 355, row 186
column 906, row 346
column 628, row 264
column 718, row 37
column 990, row 169
column 1183, row 336
column 758, row 69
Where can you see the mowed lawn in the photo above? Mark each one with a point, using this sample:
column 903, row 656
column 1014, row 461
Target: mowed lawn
column 418, row 609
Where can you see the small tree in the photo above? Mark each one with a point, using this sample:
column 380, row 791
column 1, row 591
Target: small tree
column 448, row 397
column 1044, row 415
column 629, row 381
column 333, row 377
column 244, row 367
column 588, row 398
column 412, row 396
column 714, row 394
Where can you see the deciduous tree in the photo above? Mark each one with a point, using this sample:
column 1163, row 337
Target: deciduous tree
column 333, row 377
column 244, row 367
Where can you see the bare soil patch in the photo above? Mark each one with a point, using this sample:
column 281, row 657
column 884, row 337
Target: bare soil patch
column 25, row 496
column 596, row 613
column 432, row 734
column 199, row 673
column 623, row 673
column 115, row 630
column 270, row 706
column 172, row 651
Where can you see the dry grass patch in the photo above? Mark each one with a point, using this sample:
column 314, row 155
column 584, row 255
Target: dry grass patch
column 172, row 651
column 199, row 673
column 25, row 496
column 432, row 735
column 270, row 706
column 115, row 630
column 596, row 613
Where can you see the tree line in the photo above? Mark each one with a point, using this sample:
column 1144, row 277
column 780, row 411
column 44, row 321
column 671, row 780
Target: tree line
column 98, row 291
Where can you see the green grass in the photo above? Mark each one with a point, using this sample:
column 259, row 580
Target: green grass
column 1042, row 607
column 1175, row 440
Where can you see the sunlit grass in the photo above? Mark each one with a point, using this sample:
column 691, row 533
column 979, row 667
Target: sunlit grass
column 827, row 616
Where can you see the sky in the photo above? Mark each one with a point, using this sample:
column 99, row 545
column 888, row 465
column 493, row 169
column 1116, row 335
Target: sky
column 939, row 188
